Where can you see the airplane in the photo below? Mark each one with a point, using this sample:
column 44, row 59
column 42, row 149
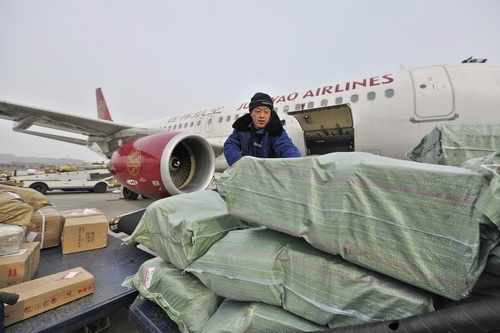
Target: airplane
column 386, row 114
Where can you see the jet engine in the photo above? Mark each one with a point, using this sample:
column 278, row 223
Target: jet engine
column 164, row 164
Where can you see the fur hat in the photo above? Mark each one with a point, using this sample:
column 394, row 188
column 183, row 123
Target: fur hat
column 261, row 99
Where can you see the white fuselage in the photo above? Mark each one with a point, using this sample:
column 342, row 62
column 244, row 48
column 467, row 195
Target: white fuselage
column 391, row 112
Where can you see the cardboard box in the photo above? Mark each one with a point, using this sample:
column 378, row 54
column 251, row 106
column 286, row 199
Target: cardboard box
column 39, row 295
column 84, row 229
column 20, row 267
column 47, row 228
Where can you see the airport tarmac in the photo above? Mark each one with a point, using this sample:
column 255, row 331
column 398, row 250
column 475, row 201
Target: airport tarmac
column 111, row 203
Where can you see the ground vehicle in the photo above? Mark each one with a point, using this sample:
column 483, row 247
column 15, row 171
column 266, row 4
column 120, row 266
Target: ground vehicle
column 96, row 180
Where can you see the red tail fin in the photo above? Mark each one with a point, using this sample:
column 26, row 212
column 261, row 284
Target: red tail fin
column 102, row 108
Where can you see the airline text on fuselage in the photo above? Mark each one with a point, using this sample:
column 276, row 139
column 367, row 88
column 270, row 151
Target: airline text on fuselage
column 328, row 90
column 321, row 91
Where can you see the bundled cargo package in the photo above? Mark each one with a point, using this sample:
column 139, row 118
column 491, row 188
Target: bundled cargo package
column 11, row 238
column 182, row 228
column 282, row 270
column 452, row 144
column 489, row 201
column 257, row 317
column 20, row 266
column 47, row 292
column 414, row 222
column 28, row 195
column 13, row 210
column 47, row 227
column 182, row 296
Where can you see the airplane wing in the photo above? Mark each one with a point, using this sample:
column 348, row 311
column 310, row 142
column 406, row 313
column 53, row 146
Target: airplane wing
column 103, row 136
column 26, row 116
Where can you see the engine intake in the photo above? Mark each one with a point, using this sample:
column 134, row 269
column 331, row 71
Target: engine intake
column 164, row 164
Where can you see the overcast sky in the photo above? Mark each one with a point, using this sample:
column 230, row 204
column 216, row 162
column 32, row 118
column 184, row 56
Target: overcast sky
column 160, row 58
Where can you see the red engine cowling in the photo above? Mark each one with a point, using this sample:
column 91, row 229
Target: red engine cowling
column 164, row 164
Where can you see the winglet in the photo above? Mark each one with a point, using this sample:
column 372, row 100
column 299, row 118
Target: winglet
column 102, row 108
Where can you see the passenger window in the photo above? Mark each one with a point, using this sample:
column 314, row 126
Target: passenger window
column 228, row 118
column 185, row 125
column 338, row 100
column 297, row 107
column 175, row 126
column 220, row 119
column 310, row 105
column 286, row 108
column 198, row 123
column 191, row 124
column 236, row 116
column 354, row 98
column 324, row 102
column 371, row 96
column 389, row 93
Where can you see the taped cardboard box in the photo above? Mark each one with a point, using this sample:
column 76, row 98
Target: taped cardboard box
column 40, row 295
column 84, row 229
column 20, row 267
column 47, row 227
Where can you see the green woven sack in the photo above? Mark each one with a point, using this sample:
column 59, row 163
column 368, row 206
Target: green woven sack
column 281, row 270
column 183, row 227
column 452, row 144
column 414, row 222
column 242, row 317
column 183, row 297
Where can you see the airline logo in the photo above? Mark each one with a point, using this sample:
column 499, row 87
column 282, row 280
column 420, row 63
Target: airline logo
column 134, row 162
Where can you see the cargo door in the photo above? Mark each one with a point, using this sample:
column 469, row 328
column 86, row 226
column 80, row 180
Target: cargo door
column 327, row 129
column 434, row 95
column 209, row 123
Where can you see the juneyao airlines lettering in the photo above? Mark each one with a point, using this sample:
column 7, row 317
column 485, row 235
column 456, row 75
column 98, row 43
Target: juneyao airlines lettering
column 385, row 114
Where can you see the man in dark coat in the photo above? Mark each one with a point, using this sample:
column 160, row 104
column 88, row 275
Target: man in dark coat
column 259, row 133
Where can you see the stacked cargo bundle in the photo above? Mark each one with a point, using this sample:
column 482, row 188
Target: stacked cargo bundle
column 182, row 228
column 453, row 144
column 336, row 240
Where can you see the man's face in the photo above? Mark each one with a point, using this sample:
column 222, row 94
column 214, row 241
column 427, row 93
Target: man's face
column 260, row 116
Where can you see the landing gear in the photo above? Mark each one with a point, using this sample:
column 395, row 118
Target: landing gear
column 128, row 194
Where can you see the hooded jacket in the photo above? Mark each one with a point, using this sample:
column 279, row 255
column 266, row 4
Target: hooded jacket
column 246, row 140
